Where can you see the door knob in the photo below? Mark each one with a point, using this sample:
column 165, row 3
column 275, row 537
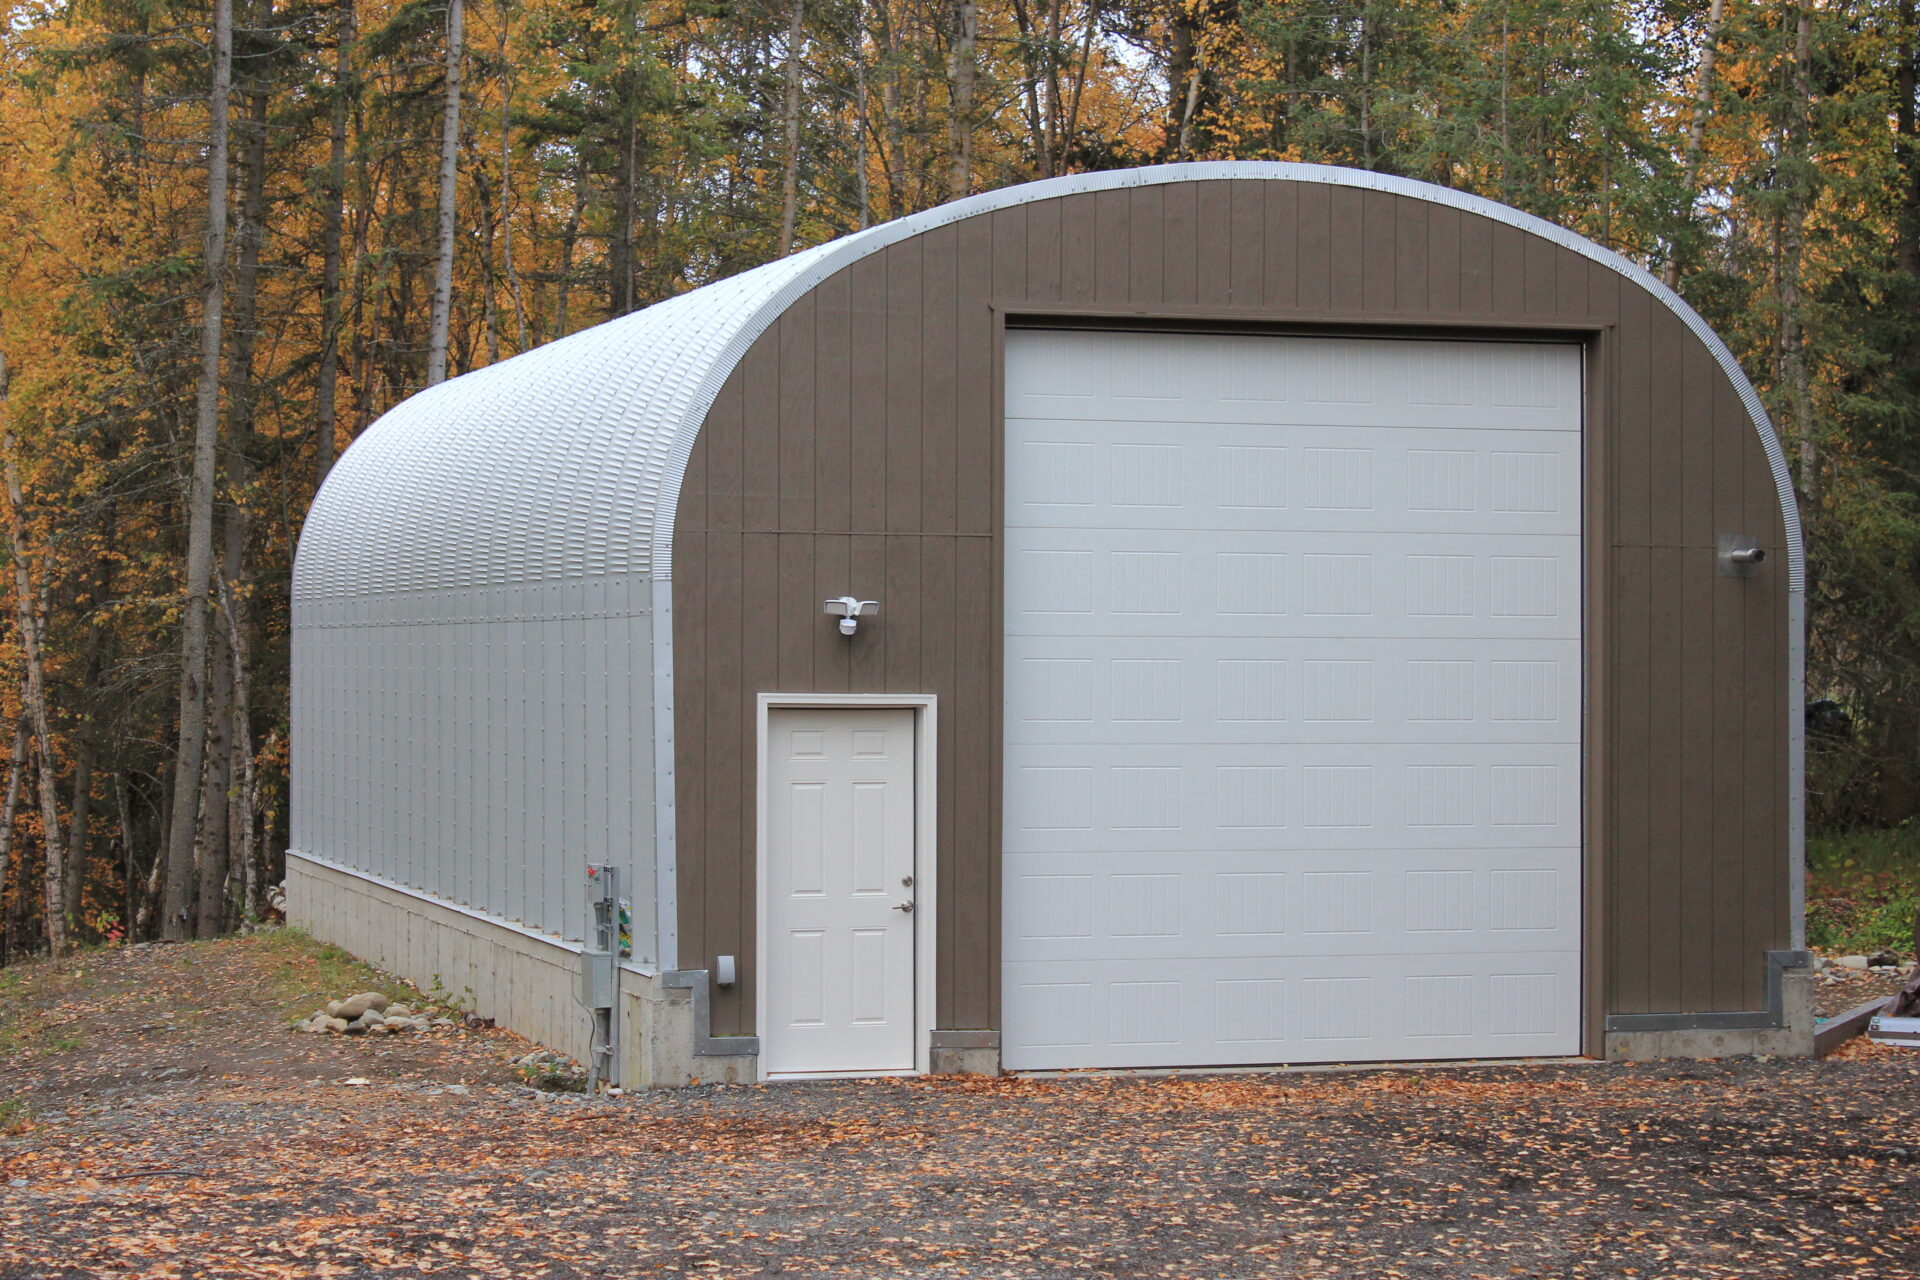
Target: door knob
column 906, row 906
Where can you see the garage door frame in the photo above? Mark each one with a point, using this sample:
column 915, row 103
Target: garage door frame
column 1596, row 341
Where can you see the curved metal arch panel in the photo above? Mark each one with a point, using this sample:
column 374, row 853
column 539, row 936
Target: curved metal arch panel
column 565, row 463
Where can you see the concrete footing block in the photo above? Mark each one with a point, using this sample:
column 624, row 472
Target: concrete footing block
column 1792, row 1039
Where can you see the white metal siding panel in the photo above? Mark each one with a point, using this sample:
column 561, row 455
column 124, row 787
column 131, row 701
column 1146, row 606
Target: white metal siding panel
column 1293, row 700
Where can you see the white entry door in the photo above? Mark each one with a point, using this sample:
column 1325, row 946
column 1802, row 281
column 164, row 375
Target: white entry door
column 1292, row 700
column 838, row 963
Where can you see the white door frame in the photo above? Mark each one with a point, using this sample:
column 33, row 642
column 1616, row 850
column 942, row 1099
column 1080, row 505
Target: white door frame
column 925, row 859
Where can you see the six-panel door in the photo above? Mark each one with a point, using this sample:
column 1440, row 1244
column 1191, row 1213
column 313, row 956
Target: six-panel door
column 1293, row 695
column 839, row 967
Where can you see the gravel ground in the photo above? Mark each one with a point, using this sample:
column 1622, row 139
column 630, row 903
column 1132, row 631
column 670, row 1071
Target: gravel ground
column 262, row 1161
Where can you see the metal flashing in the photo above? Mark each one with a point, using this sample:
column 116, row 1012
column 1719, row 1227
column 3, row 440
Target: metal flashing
column 1771, row 1018
column 705, row 1043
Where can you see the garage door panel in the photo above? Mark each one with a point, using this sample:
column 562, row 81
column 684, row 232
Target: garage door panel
column 1198, row 582
column 1237, row 476
column 1160, row 1013
column 1327, row 797
column 1292, row 700
column 1155, row 378
column 1251, row 903
column 1214, row 689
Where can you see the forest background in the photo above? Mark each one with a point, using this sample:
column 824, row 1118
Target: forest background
column 234, row 232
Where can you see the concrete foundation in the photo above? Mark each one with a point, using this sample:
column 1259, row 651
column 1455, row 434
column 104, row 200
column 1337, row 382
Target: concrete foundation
column 528, row 982
column 1792, row 1039
column 520, row 979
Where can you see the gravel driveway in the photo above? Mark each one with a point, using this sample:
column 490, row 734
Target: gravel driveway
column 275, row 1167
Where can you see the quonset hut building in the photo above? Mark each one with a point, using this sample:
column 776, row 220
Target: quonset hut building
column 1298, row 615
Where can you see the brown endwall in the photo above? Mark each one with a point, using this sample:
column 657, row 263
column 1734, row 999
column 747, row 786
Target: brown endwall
column 857, row 448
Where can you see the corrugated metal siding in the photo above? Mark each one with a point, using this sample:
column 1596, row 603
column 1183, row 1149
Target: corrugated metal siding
column 1693, row 866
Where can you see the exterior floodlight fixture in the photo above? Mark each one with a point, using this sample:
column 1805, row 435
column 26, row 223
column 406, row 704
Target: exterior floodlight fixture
column 850, row 611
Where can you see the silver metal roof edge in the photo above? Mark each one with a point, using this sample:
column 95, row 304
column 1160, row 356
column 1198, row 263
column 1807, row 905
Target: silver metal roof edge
column 815, row 265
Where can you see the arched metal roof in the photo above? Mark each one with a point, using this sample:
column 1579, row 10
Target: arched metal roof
column 564, row 463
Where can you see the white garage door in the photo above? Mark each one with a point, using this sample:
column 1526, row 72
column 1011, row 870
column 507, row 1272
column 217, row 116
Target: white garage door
column 1292, row 700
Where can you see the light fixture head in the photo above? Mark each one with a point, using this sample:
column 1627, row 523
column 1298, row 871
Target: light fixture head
column 850, row 610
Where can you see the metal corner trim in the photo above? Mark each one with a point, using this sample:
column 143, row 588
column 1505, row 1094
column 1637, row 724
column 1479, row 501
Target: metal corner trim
column 705, row 1043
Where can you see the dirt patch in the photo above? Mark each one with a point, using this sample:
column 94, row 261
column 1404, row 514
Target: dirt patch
column 268, row 1165
column 1836, row 990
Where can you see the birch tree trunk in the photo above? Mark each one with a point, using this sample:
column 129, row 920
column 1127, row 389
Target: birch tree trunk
column 961, row 75
column 442, row 318
column 1793, row 356
column 26, row 616
column 177, row 889
column 506, row 185
column 1697, row 129
column 245, row 794
column 16, row 765
column 790, row 128
column 333, row 208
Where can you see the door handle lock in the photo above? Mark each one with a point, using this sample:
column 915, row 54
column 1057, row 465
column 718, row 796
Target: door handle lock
column 906, row 906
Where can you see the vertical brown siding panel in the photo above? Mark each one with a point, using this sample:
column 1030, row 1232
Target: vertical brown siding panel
column 1346, row 243
column 867, row 392
column 760, row 437
column 1574, row 277
column 866, row 650
column 909, row 613
column 727, row 782
column 1725, row 982
column 1630, row 862
column 1697, row 381
column 722, row 455
column 797, row 619
column 1379, row 278
column 934, row 673
column 940, row 378
column 1543, row 278
column 1766, row 715
column 1632, row 438
column 1246, row 214
column 1108, row 253
column 1213, row 243
column 1604, row 287
column 1696, row 710
column 1509, row 258
column 799, row 451
column 1665, row 799
column 975, row 428
column 1180, row 216
column 1443, row 258
column 830, row 562
column 1146, row 246
column 1281, row 251
column 1410, row 238
column 1766, row 776
column 1476, row 266
column 971, row 849
column 1044, row 250
column 1667, row 428
column 1008, row 231
column 731, row 892
column 1081, row 250
column 694, row 761
column 833, row 405
column 904, row 356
